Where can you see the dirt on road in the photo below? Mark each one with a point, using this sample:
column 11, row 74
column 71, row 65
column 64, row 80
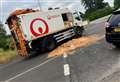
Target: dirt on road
column 73, row 44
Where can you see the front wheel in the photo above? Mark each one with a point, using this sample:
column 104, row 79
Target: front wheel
column 78, row 31
column 117, row 45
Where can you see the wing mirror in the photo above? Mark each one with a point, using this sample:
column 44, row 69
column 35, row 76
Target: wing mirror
column 77, row 18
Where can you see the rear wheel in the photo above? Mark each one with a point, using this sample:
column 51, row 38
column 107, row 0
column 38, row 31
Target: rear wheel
column 49, row 43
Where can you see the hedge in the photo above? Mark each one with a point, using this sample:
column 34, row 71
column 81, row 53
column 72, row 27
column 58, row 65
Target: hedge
column 99, row 13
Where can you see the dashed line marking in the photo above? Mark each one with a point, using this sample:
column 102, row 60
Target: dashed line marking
column 65, row 55
column 66, row 65
column 66, row 70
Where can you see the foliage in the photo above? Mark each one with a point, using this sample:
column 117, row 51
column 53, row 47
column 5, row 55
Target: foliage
column 5, row 57
column 99, row 13
column 96, row 9
column 3, row 36
column 116, row 4
column 93, row 5
column 6, row 42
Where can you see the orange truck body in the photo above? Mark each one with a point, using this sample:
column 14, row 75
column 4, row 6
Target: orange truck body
column 12, row 22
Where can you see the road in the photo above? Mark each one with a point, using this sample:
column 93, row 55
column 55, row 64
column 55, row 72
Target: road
column 98, row 62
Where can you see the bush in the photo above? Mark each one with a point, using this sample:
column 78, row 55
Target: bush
column 99, row 13
column 9, row 44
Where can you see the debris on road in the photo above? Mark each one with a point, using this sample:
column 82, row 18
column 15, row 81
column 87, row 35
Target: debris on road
column 73, row 44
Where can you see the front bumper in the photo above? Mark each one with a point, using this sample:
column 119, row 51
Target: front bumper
column 113, row 37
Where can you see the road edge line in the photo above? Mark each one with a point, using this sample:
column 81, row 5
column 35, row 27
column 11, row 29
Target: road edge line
column 33, row 68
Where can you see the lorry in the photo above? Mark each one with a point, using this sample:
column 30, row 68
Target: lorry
column 35, row 30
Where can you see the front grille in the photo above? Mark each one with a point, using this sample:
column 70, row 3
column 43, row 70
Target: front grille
column 109, row 30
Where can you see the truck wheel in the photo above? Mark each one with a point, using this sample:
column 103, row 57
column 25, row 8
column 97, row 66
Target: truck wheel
column 49, row 43
column 78, row 31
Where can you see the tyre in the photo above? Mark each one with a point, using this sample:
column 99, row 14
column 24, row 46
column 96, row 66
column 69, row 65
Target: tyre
column 49, row 43
column 117, row 45
column 78, row 31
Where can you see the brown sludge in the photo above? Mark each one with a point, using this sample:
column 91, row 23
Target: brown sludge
column 73, row 44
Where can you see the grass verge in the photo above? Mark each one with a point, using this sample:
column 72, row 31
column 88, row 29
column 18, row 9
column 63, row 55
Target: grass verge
column 6, row 56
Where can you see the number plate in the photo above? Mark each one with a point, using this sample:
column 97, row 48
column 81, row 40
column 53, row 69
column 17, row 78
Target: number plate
column 117, row 29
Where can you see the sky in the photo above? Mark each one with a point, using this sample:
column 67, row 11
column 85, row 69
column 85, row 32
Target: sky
column 7, row 6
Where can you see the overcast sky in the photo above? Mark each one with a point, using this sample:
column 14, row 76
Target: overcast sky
column 7, row 6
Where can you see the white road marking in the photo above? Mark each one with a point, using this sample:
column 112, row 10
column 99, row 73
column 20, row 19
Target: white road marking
column 66, row 69
column 65, row 55
column 66, row 66
column 31, row 69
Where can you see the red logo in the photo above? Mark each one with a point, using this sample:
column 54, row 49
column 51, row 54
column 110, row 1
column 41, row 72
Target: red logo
column 41, row 32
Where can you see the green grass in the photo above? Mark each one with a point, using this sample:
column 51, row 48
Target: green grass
column 6, row 56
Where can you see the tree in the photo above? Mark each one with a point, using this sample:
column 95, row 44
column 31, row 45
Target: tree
column 3, row 37
column 116, row 4
column 93, row 5
column 6, row 41
column 2, row 28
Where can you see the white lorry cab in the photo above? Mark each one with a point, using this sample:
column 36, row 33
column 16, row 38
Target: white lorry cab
column 35, row 30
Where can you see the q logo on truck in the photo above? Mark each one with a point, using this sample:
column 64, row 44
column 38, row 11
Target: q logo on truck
column 41, row 30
